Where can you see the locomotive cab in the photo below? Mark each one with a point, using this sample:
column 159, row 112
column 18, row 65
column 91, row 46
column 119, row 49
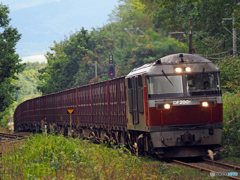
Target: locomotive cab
column 183, row 109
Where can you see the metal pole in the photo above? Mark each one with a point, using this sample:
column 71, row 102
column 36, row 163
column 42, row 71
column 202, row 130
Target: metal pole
column 190, row 37
column 234, row 37
column 96, row 70
column 131, row 34
column 70, row 123
column 46, row 129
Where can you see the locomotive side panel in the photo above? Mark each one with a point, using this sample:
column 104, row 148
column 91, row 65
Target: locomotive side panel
column 137, row 107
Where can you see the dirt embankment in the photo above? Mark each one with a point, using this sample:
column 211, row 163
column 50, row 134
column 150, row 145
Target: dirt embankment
column 4, row 130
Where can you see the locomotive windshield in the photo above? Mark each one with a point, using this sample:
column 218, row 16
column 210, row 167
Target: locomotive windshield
column 161, row 86
column 203, row 84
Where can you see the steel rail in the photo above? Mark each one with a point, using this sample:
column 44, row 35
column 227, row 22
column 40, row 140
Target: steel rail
column 6, row 134
column 8, row 137
column 11, row 136
column 201, row 168
column 224, row 164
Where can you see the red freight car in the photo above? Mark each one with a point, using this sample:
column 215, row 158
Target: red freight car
column 101, row 105
column 171, row 107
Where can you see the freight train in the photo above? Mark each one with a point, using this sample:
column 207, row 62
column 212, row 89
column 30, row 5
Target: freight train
column 171, row 107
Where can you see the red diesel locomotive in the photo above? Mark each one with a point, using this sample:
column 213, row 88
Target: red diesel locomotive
column 171, row 107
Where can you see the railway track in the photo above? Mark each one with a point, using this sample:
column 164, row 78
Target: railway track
column 213, row 167
column 9, row 137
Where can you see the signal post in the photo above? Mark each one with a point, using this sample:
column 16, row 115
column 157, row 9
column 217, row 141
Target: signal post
column 70, row 112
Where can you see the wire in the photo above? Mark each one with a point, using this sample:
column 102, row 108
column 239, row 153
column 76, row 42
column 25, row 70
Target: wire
column 209, row 31
column 215, row 54
column 211, row 57
column 231, row 32
column 229, row 39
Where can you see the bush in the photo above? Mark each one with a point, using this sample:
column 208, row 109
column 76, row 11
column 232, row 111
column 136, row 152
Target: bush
column 230, row 74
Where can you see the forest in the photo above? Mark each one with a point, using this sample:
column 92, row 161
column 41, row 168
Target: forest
column 140, row 31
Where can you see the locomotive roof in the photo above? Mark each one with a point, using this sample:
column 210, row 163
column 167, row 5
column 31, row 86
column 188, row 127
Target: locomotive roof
column 174, row 59
column 187, row 58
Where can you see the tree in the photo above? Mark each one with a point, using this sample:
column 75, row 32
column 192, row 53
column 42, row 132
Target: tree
column 210, row 34
column 230, row 74
column 71, row 61
column 28, row 82
column 9, row 61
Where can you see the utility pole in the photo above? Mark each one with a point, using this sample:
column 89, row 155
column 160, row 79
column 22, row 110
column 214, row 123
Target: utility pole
column 234, row 33
column 234, row 36
column 176, row 33
column 131, row 29
column 190, row 37
column 96, row 70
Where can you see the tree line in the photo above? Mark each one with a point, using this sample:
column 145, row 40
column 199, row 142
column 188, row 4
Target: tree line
column 137, row 33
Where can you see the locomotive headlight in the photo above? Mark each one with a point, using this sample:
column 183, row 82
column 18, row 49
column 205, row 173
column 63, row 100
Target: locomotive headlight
column 178, row 70
column 167, row 106
column 205, row 104
column 188, row 69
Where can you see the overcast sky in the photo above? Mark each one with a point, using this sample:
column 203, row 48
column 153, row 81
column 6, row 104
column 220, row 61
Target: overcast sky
column 42, row 21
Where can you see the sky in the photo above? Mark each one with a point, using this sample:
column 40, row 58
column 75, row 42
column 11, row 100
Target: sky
column 43, row 21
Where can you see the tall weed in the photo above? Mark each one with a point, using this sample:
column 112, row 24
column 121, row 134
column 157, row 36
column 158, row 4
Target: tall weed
column 58, row 157
column 231, row 130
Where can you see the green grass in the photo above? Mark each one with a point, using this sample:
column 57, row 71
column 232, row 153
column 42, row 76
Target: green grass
column 47, row 157
column 58, row 157
column 232, row 160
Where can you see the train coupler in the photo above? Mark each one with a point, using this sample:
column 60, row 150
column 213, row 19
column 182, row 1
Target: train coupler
column 187, row 137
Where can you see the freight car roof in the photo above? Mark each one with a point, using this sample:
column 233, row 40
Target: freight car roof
column 174, row 59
